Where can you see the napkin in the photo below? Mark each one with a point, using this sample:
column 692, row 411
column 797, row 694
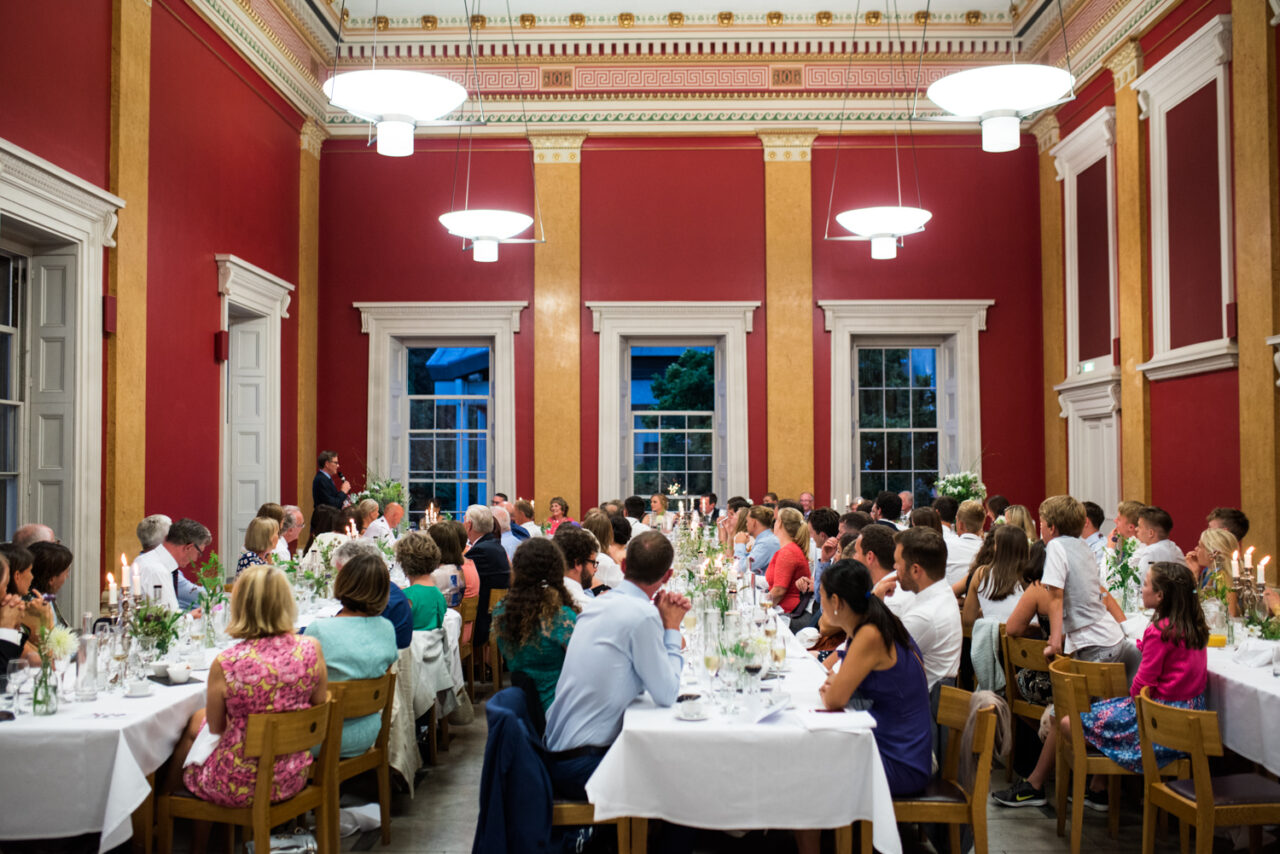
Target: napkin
column 202, row 747
column 1255, row 652
column 808, row 637
column 814, row 720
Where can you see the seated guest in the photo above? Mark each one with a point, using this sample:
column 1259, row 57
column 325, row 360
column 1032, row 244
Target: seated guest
column 997, row 586
column 290, row 529
column 658, row 517
column 880, row 663
column 983, row 556
column 1094, row 516
column 162, row 566
column 559, row 515
column 448, row 576
column 271, row 669
column 853, row 522
column 579, row 548
column 260, row 540
column 947, row 507
column 324, row 520
column 708, row 508
column 396, row 610
column 506, row 533
column 469, row 572
column 419, row 556
column 759, row 526
column 634, row 508
column 886, row 509
column 36, row 612
column 607, row 572
column 996, row 507
column 621, row 536
column 152, row 529
column 932, row 617
column 925, row 517
column 830, row 638
column 27, row 535
column 1154, row 527
column 393, row 514
column 1212, row 554
column 13, row 634
column 964, row 545
column 1126, row 524
column 790, row 562
column 806, row 504
column 271, row 510
column 1174, row 668
column 51, row 564
column 492, row 566
column 874, row 549
column 534, row 621
column 770, row 500
column 522, row 515
column 626, row 643
column 1020, row 517
column 373, row 524
column 729, row 519
column 358, row 643
column 1230, row 518
column 824, row 529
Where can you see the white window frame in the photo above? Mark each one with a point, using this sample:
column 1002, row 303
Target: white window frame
column 1093, row 141
column 617, row 322
column 261, row 293
column 37, row 192
column 495, row 321
column 957, row 323
column 1198, row 62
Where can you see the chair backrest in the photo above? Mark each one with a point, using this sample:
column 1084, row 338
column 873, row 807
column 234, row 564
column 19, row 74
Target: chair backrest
column 1102, row 679
column 1019, row 654
column 1070, row 697
column 496, row 595
column 1192, row 732
column 275, row 734
column 953, row 713
column 357, row 698
column 468, row 609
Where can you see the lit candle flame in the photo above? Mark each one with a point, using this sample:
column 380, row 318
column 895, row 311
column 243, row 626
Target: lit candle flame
column 1248, row 557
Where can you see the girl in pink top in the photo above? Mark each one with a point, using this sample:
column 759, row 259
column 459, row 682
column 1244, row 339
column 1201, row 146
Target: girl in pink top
column 1174, row 666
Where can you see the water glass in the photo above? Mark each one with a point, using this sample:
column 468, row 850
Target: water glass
column 16, row 674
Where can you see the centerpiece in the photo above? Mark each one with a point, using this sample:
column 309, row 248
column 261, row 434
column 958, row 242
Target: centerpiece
column 55, row 644
column 962, row 486
column 1122, row 575
column 153, row 623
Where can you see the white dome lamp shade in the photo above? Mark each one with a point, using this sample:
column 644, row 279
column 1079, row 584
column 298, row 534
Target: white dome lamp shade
column 883, row 226
column 1000, row 96
column 395, row 101
column 485, row 228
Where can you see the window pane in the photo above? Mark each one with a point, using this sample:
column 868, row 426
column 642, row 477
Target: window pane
column 672, row 422
column 870, row 368
column 421, row 454
column 898, row 481
column 700, row 463
column 446, row 456
column 926, row 450
column 448, row 370
column 897, row 368
column 700, row 443
column 897, row 408
column 898, row 452
column 924, row 412
column 646, row 422
column 447, row 496
column 422, row 414
column 421, row 495
column 872, row 451
column 672, row 463
column 923, row 487
column 872, row 483
column 446, row 415
column 699, row 484
column 924, row 368
column 700, row 422
column 477, row 414
column 646, row 484
column 871, row 408
column 646, row 463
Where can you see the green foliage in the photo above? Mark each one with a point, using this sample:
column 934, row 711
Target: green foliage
column 212, row 582
column 1120, row 568
column 962, row 486
column 153, row 620
column 384, row 491
column 688, row 383
column 1268, row 627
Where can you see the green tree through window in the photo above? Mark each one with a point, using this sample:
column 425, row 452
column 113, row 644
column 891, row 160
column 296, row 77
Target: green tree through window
column 688, row 383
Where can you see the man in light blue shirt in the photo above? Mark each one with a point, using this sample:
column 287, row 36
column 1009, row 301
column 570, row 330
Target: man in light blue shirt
column 622, row 645
column 760, row 526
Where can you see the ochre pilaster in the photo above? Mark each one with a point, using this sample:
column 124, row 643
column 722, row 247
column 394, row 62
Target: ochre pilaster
column 307, row 303
column 788, row 234
column 557, row 323
column 1053, row 306
column 1133, row 280
column 125, row 405
column 1257, row 262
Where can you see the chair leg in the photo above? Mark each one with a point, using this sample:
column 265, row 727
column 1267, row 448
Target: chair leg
column 844, row 839
column 1061, row 779
column 230, row 842
column 1184, row 836
column 1255, row 838
column 867, row 836
column 1078, row 783
column 639, row 836
column 1204, row 838
column 1148, row 825
column 261, row 834
column 433, row 725
column 384, row 798
column 624, row 835
column 444, row 734
column 164, row 826
column 978, row 816
column 1113, row 806
column 953, row 832
column 1013, row 749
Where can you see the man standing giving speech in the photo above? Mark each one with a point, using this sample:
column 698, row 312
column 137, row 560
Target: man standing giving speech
column 323, row 490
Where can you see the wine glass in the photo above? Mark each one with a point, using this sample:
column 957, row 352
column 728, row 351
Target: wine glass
column 146, row 655
column 756, row 651
column 778, row 652
column 16, row 674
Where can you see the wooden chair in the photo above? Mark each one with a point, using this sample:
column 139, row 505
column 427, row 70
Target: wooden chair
column 266, row 737
column 356, row 699
column 581, row 812
column 1205, row 801
column 945, row 800
column 495, row 596
column 1075, row 685
column 1020, row 654
column 468, row 609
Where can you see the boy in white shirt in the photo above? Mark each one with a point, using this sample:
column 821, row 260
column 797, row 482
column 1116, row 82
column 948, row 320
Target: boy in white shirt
column 1154, row 525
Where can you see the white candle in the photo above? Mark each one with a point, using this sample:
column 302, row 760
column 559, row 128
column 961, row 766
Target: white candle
column 1248, row 557
column 1235, row 564
column 124, row 574
column 137, row 582
column 113, row 592
column 1262, row 570
column 846, row 500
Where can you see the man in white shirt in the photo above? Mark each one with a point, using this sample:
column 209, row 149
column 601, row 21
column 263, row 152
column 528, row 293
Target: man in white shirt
column 1094, row 516
column 947, row 508
column 579, row 547
column 1154, row 525
column 932, row 617
column 960, row 551
column 161, row 567
column 875, row 548
column 634, row 508
column 886, row 509
column 289, row 531
column 522, row 515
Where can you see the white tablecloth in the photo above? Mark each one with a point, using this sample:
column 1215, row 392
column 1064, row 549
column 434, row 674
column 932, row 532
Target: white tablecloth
column 730, row 774
column 92, row 771
column 1247, row 700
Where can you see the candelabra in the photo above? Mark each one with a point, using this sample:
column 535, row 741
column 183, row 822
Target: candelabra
column 1250, row 596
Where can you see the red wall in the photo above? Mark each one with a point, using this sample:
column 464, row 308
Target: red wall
column 673, row 219
column 982, row 243
column 1093, row 96
column 224, row 178
column 1094, row 259
column 1182, row 21
column 380, row 241
column 1195, row 449
column 58, row 52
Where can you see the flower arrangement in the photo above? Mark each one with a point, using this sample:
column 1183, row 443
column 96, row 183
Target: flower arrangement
column 320, row 577
column 674, row 488
column 1122, row 575
column 384, row 491
column 212, row 584
column 962, row 486
column 53, row 644
column 155, row 621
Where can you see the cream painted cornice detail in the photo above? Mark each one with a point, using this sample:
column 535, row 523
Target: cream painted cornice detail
column 1125, row 64
column 1274, row 341
column 674, row 311
column 312, row 137
column 1047, row 131
column 56, row 186
column 460, row 314
column 787, row 144
column 557, row 147
column 252, row 287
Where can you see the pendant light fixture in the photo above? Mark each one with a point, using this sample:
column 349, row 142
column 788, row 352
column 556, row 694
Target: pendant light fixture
column 883, row 225
column 482, row 229
column 999, row 97
column 394, row 101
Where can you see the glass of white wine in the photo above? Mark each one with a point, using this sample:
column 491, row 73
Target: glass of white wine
column 778, row 652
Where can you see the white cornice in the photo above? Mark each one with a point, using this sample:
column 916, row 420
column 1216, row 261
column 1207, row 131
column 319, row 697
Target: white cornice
column 921, row 316
column 673, row 311
column 1218, row 355
column 457, row 314
column 253, row 287
column 1086, row 144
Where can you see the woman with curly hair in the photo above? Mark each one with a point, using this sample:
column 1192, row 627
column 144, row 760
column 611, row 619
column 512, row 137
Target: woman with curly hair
column 559, row 515
column 419, row 556
column 534, row 620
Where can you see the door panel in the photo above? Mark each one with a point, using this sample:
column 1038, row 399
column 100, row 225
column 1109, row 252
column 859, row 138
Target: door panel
column 247, row 379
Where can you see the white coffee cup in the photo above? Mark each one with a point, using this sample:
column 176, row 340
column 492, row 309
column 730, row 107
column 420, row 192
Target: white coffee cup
column 179, row 672
column 692, row 710
column 139, row 688
column 159, row 668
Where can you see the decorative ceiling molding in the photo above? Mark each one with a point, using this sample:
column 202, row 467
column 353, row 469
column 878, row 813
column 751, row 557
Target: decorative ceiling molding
column 1125, row 64
column 786, row 144
column 1115, row 23
column 1047, row 131
column 312, row 137
column 557, row 146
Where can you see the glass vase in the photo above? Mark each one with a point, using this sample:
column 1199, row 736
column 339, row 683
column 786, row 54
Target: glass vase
column 44, row 692
column 208, row 633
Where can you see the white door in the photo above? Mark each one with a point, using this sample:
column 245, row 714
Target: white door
column 51, row 398
column 249, row 431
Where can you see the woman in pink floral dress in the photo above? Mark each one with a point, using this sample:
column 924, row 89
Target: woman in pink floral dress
column 272, row 669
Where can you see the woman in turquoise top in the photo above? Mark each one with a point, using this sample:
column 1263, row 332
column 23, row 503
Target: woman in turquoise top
column 358, row 643
column 534, row 620
column 418, row 555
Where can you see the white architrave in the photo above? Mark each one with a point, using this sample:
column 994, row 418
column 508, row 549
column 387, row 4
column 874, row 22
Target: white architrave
column 958, row 323
column 494, row 320
column 1198, row 62
column 1091, row 404
column 617, row 321
column 1094, row 140
column 258, row 292
column 1274, row 341
column 35, row 191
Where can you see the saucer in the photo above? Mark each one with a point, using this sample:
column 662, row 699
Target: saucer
column 129, row 695
column 701, row 717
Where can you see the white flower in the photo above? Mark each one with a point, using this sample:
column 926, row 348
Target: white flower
column 58, row 642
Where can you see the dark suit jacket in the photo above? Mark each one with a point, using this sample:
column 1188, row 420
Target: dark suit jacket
column 324, row 492
column 494, row 570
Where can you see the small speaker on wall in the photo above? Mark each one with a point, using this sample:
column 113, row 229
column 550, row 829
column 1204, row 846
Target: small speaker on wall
column 221, row 346
column 108, row 315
